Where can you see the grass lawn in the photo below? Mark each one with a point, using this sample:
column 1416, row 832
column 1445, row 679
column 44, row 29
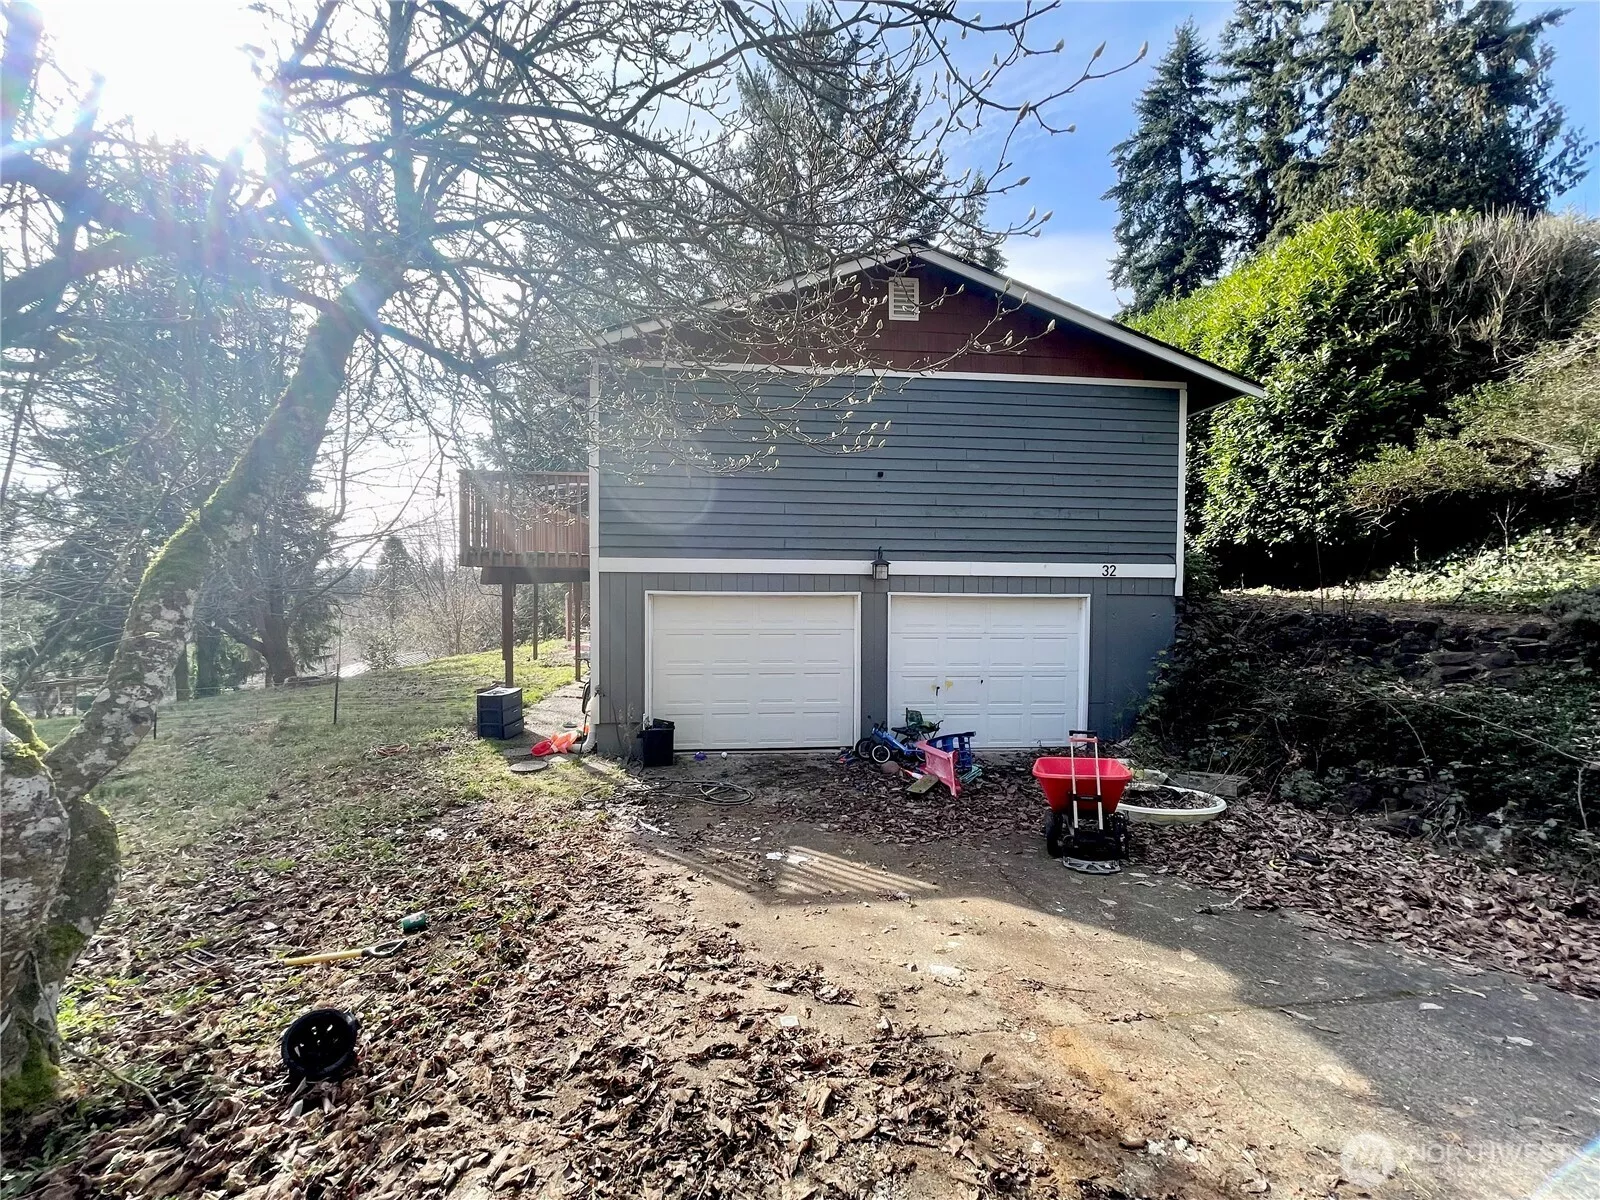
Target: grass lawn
column 215, row 760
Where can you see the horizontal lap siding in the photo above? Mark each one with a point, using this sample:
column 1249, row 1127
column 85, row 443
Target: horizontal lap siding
column 990, row 469
column 1130, row 624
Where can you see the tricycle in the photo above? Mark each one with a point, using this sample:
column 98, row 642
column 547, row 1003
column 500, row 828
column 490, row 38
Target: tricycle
column 899, row 744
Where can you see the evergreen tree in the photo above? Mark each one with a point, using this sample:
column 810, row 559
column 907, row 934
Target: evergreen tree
column 1170, row 228
column 1446, row 106
column 814, row 151
column 1268, row 78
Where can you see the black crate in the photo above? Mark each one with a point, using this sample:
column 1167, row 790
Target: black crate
column 500, row 713
column 655, row 748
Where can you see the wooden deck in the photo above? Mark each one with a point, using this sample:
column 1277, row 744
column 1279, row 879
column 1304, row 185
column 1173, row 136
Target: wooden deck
column 525, row 528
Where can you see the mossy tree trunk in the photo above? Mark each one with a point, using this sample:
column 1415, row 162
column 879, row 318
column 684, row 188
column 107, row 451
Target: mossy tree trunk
column 33, row 855
column 156, row 630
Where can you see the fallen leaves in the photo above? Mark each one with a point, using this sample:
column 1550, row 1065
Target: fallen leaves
column 1370, row 885
column 550, row 1030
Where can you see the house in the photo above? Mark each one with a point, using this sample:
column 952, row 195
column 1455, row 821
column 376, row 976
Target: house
column 1005, row 554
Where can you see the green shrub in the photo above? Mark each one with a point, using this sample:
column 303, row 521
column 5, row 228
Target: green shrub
column 1361, row 328
column 1266, row 695
column 1538, row 430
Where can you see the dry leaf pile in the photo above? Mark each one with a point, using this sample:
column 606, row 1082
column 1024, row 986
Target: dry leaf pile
column 858, row 798
column 551, row 1032
column 1372, row 885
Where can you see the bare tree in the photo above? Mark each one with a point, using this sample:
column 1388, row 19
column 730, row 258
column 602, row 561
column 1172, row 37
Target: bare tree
column 454, row 190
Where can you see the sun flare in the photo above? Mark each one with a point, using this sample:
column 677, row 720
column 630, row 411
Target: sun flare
column 179, row 68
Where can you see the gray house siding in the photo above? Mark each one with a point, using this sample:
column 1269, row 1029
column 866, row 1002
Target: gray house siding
column 985, row 469
column 1130, row 623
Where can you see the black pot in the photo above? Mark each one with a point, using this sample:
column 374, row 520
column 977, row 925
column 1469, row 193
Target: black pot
column 320, row 1045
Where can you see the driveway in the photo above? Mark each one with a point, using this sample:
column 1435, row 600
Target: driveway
column 1260, row 1051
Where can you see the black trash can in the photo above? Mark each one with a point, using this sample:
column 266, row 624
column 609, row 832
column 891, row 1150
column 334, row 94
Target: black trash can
column 500, row 713
column 655, row 749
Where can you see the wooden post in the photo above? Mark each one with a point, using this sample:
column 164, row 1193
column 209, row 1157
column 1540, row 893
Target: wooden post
column 338, row 669
column 508, row 605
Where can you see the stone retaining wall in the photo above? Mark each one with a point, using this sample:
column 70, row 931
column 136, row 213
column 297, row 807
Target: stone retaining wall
column 1437, row 650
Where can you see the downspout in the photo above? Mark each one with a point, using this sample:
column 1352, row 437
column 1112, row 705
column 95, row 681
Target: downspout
column 592, row 711
column 1183, row 486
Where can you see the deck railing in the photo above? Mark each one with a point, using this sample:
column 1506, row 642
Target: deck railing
column 534, row 519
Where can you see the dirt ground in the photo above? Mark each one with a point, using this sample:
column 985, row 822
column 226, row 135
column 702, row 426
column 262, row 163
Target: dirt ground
column 822, row 990
column 567, row 1025
column 1266, row 1052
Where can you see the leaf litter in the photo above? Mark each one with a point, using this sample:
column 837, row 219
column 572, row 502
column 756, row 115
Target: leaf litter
column 1361, row 880
column 551, row 1032
column 1369, row 885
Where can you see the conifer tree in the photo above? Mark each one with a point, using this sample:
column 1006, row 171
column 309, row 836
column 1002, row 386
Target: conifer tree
column 1170, row 229
column 1446, row 106
column 806, row 150
column 1268, row 80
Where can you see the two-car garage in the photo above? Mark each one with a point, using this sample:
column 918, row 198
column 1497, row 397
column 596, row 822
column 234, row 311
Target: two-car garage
column 745, row 671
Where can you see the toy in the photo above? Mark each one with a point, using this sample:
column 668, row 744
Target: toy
column 899, row 744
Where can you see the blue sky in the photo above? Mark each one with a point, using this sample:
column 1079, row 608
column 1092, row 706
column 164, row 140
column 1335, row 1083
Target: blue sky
column 1069, row 172
column 160, row 55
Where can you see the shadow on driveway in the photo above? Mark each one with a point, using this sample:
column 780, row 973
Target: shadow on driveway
column 1260, row 1048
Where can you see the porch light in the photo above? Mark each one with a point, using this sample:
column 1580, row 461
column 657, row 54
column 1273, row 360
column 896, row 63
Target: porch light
column 880, row 566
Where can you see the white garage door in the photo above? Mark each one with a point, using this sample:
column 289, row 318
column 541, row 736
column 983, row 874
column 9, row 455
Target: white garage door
column 1009, row 668
column 754, row 671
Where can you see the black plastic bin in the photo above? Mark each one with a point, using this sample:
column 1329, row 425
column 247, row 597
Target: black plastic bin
column 500, row 713
column 655, row 744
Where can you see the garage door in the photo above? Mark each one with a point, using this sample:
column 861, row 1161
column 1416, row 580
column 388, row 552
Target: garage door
column 1008, row 667
column 750, row 672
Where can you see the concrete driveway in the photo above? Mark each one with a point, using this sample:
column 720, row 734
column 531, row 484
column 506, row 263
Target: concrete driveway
column 1224, row 1052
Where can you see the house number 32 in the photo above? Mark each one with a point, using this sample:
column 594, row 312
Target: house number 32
column 1108, row 570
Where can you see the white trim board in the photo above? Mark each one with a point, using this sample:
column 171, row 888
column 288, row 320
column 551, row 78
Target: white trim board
column 711, row 369
column 1183, row 485
column 897, row 569
column 592, row 714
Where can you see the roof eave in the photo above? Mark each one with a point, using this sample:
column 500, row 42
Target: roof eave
column 1065, row 310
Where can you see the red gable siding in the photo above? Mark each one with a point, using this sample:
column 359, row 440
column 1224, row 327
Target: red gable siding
column 962, row 327
column 970, row 323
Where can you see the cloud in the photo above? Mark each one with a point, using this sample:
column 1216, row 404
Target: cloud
column 1071, row 265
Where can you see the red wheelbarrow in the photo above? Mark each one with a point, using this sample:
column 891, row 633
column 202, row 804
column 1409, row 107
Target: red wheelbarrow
column 1083, row 791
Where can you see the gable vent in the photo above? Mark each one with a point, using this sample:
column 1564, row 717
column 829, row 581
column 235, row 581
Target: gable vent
column 904, row 299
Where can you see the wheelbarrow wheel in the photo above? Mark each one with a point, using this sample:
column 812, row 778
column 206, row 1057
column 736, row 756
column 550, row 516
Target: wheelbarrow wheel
column 880, row 753
column 1055, row 834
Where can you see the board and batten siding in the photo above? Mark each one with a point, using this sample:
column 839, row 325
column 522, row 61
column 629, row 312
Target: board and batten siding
column 969, row 470
column 1130, row 624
